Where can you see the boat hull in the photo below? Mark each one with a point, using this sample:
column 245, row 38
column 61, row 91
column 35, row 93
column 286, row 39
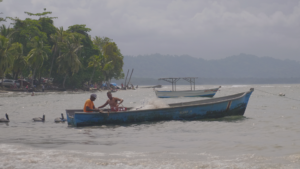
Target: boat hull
column 211, row 108
column 187, row 93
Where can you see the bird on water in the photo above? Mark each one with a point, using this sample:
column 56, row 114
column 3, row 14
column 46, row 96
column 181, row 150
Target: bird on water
column 5, row 120
column 60, row 119
column 39, row 119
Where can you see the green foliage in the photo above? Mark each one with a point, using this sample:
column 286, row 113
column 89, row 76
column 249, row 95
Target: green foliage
column 112, row 53
column 37, row 55
column 20, row 61
column 7, row 50
column 100, row 42
column 79, row 29
column 68, row 61
column 35, row 47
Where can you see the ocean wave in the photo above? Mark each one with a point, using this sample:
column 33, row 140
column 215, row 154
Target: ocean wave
column 15, row 156
column 239, row 85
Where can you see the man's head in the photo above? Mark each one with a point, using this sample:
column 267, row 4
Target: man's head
column 93, row 97
column 109, row 95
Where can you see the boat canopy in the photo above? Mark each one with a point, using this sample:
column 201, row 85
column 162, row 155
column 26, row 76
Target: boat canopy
column 173, row 80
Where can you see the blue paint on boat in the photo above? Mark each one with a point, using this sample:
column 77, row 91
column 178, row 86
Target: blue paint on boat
column 209, row 108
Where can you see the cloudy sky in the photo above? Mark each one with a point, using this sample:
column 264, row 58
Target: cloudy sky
column 209, row 29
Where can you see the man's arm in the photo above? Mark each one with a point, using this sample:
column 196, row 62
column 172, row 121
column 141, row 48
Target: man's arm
column 106, row 103
column 89, row 109
column 120, row 101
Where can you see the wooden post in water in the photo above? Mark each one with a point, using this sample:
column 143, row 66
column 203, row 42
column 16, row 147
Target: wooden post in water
column 126, row 78
column 130, row 77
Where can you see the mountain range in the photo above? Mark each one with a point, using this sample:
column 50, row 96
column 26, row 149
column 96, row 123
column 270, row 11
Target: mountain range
column 237, row 66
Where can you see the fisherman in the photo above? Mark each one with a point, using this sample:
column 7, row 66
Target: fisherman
column 89, row 104
column 113, row 102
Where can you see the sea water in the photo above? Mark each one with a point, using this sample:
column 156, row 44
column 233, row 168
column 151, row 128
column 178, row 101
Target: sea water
column 267, row 136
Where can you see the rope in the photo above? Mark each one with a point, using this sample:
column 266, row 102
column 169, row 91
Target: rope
column 277, row 95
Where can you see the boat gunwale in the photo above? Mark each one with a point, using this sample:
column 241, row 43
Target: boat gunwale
column 186, row 90
column 168, row 108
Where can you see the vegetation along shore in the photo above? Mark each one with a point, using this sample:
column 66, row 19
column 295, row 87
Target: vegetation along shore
column 34, row 49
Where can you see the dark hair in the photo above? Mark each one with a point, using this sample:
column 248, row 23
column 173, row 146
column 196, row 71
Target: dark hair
column 108, row 93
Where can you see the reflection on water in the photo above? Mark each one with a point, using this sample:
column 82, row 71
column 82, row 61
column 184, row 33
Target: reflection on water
column 267, row 136
column 229, row 119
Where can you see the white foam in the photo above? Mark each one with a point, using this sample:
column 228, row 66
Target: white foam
column 152, row 104
column 267, row 86
column 12, row 156
column 239, row 85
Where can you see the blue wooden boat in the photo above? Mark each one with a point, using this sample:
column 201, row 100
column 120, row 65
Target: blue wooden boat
column 231, row 105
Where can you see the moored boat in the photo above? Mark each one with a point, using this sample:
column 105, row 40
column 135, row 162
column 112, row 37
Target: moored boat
column 187, row 93
column 231, row 105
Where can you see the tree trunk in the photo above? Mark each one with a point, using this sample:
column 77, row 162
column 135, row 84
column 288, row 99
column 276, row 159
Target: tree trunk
column 17, row 74
column 33, row 75
column 52, row 61
column 40, row 78
column 92, row 75
column 2, row 81
column 64, row 80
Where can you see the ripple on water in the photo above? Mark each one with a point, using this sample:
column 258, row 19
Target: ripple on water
column 267, row 136
column 15, row 156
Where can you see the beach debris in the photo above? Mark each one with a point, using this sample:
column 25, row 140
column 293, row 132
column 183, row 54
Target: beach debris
column 281, row 94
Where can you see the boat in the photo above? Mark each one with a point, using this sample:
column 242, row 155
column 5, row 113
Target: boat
column 156, row 86
column 187, row 93
column 231, row 105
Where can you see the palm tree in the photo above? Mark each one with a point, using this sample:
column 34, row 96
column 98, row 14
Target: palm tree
column 6, row 55
column 37, row 55
column 56, row 38
column 100, row 42
column 20, row 61
column 98, row 62
column 68, row 61
column 7, row 32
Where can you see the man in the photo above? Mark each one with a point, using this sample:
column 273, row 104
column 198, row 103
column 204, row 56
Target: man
column 112, row 101
column 43, row 88
column 89, row 104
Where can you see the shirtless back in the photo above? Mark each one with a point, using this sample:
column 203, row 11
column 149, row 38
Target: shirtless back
column 113, row 102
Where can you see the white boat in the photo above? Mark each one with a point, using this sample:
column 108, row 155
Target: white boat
column 187, row 93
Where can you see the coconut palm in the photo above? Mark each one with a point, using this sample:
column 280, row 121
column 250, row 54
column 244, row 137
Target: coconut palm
column 98, row 62
column 56, row 38
column 37, row 55
column 68, row 61
column 100, row 42
column 20, row 61
column 6, row 55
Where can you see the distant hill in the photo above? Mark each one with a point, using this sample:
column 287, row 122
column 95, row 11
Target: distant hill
column 239, row 66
